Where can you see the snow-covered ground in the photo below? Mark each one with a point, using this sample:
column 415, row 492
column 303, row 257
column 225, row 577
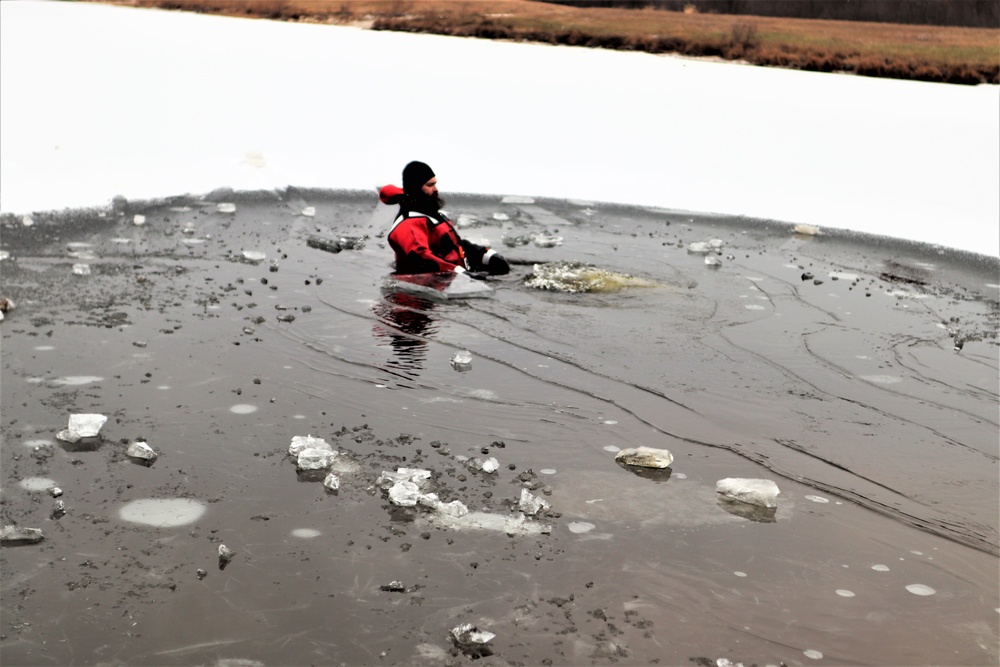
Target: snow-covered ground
column 97, row 101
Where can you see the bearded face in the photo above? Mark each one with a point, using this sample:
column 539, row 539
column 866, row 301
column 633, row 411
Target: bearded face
column 427, row 203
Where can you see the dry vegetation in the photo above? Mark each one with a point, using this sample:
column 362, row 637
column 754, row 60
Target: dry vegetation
column 928, row 53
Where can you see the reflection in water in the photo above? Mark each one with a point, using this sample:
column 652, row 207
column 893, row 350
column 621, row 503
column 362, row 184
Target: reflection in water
column 403, row 320
column 754, row 513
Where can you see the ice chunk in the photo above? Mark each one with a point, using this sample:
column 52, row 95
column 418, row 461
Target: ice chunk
column 470, row 634
column 646, row 457
column 546, row 240
column 531, row 504
column 226, row 207
column 760, row 492
column 404, row 494
column 713, row 262
column 254, row 256
column 807, row 230
column 139, row 219
column 309, row 211
column 141, row 450
column 332, row 482
column 415, row 475
column 715, row 244
column 82, row 426
column 462, row 360
column 81, row 269
column 19, row 535
column 698, row 248
column 303, row 442
column 490, row 465
column 225, row 554
column 315, row 459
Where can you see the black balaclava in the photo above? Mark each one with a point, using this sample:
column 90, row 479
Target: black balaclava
column 415, row 174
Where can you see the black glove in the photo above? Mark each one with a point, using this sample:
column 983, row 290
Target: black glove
column 476, row 275
column 498, row 266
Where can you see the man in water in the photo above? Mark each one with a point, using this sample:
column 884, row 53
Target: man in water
column 422, row 235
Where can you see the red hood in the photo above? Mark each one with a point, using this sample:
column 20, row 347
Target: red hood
column 390, row 194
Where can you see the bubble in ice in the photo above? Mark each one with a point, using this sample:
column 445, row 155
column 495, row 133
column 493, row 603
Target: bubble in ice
column 920, row 589
column 612, row 448
column 162, row 512
column 880, row 568
column 817, row 499
column 243, row 409
column 844, row 593
column 813, row 654
column 547, row 471
column 740, row 574
column 38, row 442
column 45, row 348
column 305, row 533
column 580, row 527
column 753, row 306
column 77, row 380
column 882, row 379
column 610, row 422
column 35, row 484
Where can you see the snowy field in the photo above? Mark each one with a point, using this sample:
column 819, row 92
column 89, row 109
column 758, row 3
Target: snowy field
column 98, row 101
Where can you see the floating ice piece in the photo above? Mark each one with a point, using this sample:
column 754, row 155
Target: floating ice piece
column 513, row 241
column 573, row 277
column 303, row 442
column 309, row 211
column 415, row 475
column 27, row 220
column 141, row 450
column 462, row 360
column 760, row 492
column 81, row 269
column 466, row 220
column 726, row 662
column 404, row 494
column 226, row 207
column 698, row 248
column 139, row 219
column 471, row 640
column 332, row 482
column 715, row 244
column 546, row 240
column 501, row 216
column 580, row 527
column 6, row 255
column 490, row 465
column 456, row 509
column 807, row 230
column 82, row 426
column 646, row 457
column 813, row 654
column 517, row 199
column 254, row 256
column 920, row 589
column 531, row 504
column 713, row 262
column 225, row 554
column 315, row 459
column 19, row 535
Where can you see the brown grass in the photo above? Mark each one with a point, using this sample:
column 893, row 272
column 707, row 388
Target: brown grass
column 929, row 53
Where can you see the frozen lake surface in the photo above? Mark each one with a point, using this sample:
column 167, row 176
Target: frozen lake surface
column 259, row 104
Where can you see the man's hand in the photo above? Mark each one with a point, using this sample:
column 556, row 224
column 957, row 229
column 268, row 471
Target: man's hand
column 498, row 266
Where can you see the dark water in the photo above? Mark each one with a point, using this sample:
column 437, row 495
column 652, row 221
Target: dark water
column 827, row 364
